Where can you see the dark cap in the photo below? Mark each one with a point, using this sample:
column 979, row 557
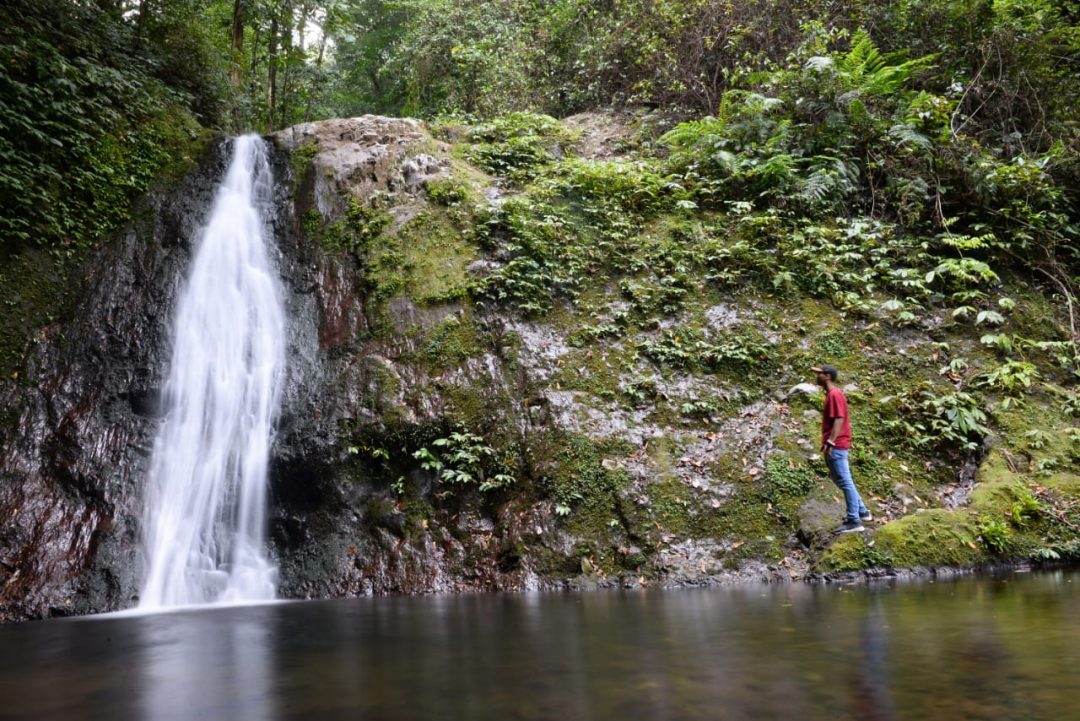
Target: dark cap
column 826, row 369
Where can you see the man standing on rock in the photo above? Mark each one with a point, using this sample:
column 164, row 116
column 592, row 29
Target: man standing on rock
column 835, row 446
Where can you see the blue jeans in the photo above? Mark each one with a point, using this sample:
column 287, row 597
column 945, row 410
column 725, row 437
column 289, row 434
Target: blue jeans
column 840, row 473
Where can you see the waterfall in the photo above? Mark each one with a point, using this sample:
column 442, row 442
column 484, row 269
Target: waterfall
column 205, row 514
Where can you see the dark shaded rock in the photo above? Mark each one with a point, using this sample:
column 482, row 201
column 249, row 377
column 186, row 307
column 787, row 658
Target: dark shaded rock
column 72, row 469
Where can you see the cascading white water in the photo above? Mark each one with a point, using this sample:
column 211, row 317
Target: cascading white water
column 205, row 514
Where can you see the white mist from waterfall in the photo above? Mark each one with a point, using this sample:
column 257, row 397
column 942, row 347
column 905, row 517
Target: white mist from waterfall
column 205, row 514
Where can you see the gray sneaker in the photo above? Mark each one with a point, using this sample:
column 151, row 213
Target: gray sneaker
column 866, row 517
column 849, row 527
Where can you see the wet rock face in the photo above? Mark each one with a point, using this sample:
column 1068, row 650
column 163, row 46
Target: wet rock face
column 370, row 370
column 72, row 468
column 337, row 529
column 359, row 374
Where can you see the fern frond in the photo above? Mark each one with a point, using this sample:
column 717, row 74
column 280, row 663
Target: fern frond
column 819, row 63
column 872, row 73
column 777, row 170
column 817, row 187
column 863, row 58
column 693, row 132
column 905, row 135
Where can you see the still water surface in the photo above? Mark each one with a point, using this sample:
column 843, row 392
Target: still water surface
column 989, row 648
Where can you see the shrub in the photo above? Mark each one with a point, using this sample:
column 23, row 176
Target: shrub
column 447, row 191
column 950, row 420
column 996, row 535
column 691, row 350
column 517, row 144
column 85, row 125
column 1012, row 377
column 464, row 459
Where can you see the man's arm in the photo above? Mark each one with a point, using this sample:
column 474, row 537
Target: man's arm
column 835, row 433
column 837, row 425
column 835, row 408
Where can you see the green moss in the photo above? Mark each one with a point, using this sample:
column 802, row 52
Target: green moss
column 1030, row 443
column 936, row 537
column 478, row 405
column 832, row 346
column 998, row 489
column 450, row 343
column 586, row 486
column 759, row 525
column 357, row 234
column 786, row 478
column 597, row 369
column 425, row 258
column 1004, row 520
column 755, row 516
column 672, row 507
column 854, row 552
column 1067, row 483
column 38, row 278
column 433, row 255
column 1010, row 516
column 300, row 159
column 37, row 291
column 580, row 481
column 354, row 232
column 380, row 392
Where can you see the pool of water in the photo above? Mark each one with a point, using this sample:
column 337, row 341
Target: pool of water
column 990, row 648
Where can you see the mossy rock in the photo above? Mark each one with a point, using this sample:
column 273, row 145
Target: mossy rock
column 434, row 256
column 934, row 538
column 995, row 498
column 38, row 290
column 1068, row 483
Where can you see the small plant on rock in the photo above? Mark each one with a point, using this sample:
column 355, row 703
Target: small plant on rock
column 926, row 419
column 996, row 536
column 1012, row 378
column 463, row 459
column 1038, row 438
column 699, row 408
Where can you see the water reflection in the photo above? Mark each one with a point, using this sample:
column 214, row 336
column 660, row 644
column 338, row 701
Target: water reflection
column 988, row 649
column 191, row 666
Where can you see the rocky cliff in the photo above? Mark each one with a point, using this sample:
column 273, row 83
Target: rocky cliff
column 489, row 387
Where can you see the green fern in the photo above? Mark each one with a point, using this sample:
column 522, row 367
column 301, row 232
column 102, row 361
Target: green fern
column 872, row 73
column 906, row 136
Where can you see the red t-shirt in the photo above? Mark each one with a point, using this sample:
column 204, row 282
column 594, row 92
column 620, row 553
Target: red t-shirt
column 836, row 407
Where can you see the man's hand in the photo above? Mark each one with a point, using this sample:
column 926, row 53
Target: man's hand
column 826, row 450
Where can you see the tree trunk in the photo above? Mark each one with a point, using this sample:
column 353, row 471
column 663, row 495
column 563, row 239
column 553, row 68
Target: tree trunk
column 271, row 74
column 318, row 76
column 287, row 61
column 301, row 27
column 237, row 34
column 142, row 18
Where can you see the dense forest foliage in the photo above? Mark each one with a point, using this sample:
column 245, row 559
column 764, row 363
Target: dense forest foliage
column 954, row 119
column 99, row 95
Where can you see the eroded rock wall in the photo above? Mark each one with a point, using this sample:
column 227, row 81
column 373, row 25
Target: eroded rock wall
column 73, row 464
column 631, row 462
